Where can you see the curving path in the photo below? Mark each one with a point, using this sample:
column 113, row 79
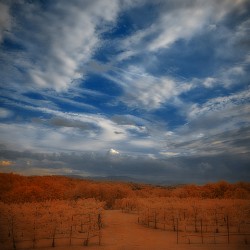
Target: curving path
column 122, row 232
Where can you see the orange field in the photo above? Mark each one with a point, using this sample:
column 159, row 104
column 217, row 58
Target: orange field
column 58, row 212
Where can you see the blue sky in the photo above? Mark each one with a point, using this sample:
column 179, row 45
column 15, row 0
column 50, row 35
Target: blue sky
column 154, row 90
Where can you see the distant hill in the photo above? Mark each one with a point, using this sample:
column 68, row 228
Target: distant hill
column 121, row 178
column 124, row 178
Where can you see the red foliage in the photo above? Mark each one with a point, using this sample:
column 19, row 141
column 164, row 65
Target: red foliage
column 16, row 188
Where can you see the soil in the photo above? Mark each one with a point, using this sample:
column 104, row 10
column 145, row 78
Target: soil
column 122, row 232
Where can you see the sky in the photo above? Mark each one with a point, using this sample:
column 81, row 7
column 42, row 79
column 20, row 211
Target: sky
column 154, row 90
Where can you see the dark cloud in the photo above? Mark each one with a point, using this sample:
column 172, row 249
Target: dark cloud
column 61, row 122
column 231, row 167
column 126, row 119
column 118, row 133
column 231, row 141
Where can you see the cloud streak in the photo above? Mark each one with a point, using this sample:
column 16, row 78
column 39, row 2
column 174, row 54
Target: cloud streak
column 54, row 60
column 142, row 90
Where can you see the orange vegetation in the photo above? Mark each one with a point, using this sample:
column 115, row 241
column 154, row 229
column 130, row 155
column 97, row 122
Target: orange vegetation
column 208, row 218
column 16, row 188
column 28, row 225
column 44, row 211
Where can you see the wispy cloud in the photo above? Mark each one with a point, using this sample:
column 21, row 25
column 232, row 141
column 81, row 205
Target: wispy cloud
column 220, row 104
column 142, row 90
column 74, row 131
column 5, row 113
column 219, row 126
column 54, row 60
column 177, row 20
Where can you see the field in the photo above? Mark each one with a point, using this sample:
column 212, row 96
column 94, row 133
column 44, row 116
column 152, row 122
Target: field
column 52, row 223
column 207, row 221
column 75, row 214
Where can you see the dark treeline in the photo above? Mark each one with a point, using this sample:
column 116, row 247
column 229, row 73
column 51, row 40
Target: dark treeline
column 16, row 188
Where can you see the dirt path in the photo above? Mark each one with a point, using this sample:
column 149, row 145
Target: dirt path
column 122, row 232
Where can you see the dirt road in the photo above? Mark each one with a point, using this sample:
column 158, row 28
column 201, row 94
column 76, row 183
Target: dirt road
column 122, row 232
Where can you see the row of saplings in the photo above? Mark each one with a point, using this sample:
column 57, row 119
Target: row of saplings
column 50, row 223
column 194, row 220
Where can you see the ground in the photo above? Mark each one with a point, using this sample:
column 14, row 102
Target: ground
column 122, row 232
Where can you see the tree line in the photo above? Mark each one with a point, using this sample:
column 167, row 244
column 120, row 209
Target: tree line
column 15, row 188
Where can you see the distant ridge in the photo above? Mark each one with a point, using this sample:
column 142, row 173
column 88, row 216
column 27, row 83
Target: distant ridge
column 124, row 178
column 107, row 178
column 117, row 178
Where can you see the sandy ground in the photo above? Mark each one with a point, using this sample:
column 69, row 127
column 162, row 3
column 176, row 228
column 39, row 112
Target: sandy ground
column 122, row 232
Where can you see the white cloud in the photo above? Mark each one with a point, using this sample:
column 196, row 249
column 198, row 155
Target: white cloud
column 142, row 90
column 169, row 154
column 231, row 76
column 70, row 131
column 212, row 27
column 219, row 104
column 67, row 131
column 182, row 23
column 177, row 20
column 145, row 143
column 113, row 152
column 226, row 77
column 209, row 82
column 4, row 113
column 217, row 126
column 59, row 41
